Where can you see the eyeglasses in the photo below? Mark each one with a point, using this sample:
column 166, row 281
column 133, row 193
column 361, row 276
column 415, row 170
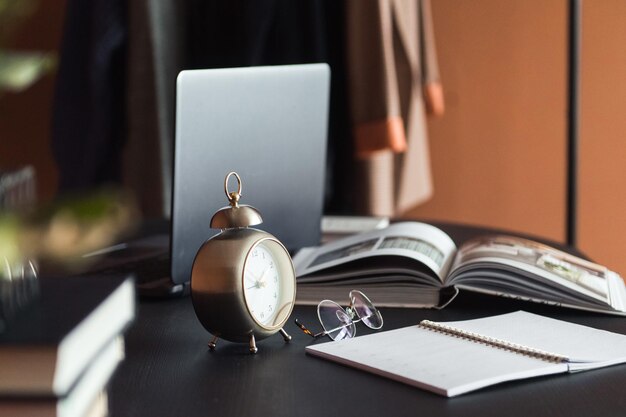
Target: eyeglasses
column 339, row 323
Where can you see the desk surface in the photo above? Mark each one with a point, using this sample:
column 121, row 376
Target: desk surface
column 170, row 372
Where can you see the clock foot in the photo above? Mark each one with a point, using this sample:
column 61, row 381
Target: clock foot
column 213, row 343
column 285, row 335
column 253, row 348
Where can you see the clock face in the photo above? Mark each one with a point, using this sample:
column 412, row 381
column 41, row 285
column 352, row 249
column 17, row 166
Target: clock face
column 262, row 284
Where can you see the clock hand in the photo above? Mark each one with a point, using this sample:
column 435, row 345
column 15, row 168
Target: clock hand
column 262, row 279
column 258, row 282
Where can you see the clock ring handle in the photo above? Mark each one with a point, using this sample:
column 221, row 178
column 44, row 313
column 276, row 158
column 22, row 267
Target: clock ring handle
column 234, row 196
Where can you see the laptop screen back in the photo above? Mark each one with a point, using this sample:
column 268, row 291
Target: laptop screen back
column 268, row 124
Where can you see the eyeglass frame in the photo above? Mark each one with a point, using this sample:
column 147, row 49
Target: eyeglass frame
column 351, row 313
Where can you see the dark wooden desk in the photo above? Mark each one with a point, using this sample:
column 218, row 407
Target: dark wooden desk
column 170, row 372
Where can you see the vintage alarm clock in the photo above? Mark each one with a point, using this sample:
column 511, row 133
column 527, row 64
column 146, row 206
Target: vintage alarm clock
column 243, row 283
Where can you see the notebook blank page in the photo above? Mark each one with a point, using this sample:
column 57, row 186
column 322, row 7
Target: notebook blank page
column 440, row 363
column 578, row 343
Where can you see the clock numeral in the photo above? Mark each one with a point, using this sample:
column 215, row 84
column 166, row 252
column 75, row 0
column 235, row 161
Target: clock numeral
column 275, row 295
column 271, row 265
column 271, row 308
column 262, row 315
column 255, row 253
column 263, row 255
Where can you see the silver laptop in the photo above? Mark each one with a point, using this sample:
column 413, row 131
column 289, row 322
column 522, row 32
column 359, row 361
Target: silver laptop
column 269, row 124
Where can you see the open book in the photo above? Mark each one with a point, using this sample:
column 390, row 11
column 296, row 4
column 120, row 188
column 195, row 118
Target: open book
column 453, row 358
column 413, row 264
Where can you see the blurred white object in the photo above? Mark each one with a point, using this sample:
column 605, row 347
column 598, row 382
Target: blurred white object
column 17, row 188
column 352, row 224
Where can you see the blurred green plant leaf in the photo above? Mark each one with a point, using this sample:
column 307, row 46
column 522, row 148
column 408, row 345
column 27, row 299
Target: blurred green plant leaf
column 20, row 70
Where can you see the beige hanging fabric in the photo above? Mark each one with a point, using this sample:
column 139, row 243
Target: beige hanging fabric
column 391, row 64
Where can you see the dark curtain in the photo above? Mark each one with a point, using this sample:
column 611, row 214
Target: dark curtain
column 88, row 127
column 90, row 117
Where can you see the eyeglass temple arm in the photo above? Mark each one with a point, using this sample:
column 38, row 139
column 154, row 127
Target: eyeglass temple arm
column 324, row 333
column 307, row 331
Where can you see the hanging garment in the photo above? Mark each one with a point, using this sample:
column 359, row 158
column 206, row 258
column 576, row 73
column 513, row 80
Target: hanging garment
column 391, row 58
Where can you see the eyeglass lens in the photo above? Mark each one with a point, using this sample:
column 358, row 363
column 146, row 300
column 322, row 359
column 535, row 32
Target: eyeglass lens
column 366, row 311
column 335, row 321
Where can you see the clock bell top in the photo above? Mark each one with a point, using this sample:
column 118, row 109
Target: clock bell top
column 235, row 215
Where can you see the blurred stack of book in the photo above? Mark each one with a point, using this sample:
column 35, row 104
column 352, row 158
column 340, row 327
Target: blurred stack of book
column 57, row 357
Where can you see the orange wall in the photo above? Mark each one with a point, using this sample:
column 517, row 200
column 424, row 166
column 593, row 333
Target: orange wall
column 602, row 225
column 499, row 152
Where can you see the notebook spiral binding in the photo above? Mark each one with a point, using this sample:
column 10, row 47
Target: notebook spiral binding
column 492, row 341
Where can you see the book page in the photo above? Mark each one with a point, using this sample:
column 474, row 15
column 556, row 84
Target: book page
column 418, row 241
column 433, row 361
column 527, row 265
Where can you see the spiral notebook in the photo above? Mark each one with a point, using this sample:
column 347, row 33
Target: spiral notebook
column 454, row 358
